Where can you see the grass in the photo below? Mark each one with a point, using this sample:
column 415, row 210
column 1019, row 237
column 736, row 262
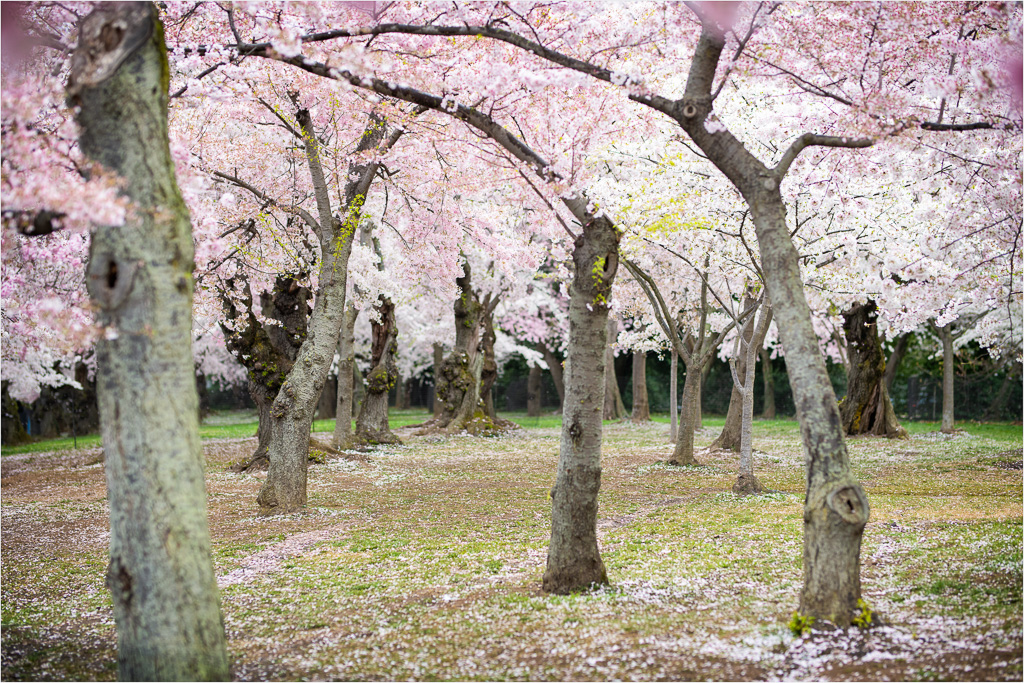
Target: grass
column 242, row 425
column 425, row 560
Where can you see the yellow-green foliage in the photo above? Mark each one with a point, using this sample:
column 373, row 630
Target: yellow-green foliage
column 864, row 615
column 800, row 625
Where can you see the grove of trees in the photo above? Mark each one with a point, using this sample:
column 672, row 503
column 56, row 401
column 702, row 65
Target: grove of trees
column 227, row 189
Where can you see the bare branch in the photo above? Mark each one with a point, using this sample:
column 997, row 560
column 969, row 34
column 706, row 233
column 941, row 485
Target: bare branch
column 811, row 140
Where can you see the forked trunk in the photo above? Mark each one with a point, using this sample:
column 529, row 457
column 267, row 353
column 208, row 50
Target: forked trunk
column 346, row 379
column 683, row 453
column 372, row 422
column 139, row 276
column 641, row 405
column 746, row 482
column 866, row 408
column 284, row 490
column 732, row 432
column 574, row 561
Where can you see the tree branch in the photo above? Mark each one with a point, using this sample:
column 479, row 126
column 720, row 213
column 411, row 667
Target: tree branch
column 811, row 140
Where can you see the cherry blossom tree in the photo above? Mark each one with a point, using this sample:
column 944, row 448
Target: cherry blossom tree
column 803, row 36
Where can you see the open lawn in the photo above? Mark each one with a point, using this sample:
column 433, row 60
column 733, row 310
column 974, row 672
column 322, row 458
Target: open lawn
column 424, row 561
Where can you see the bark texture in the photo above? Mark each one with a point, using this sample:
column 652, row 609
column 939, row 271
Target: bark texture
column 574, row 560
column 458, row 382
column 866, row 408
column 346, row 380
column 164, row 592
column 372, row 422
column 641, row 406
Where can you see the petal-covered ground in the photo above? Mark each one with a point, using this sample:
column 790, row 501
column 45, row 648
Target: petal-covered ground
column 424, row 561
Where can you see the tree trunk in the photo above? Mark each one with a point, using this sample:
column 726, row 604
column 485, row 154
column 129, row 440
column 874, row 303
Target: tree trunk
column 946, row 337
column 641, row 406
column 673, row 398
column 489, row 372
column 746, row 483
column 327, row 406
column 866, row 408
column 836, row 507
column 613, row 407
column 164, row 591
column 895, row 358
column 555, row 367
column 731, row 435
column 284, row 490
column 748, row 344
column 768, row 410
column 438, row 361
column 263, row 399
column 346, row 380
column 458, row 383
column 372, row 422
column 683, row 453
column 533, row 385
column 574, row 561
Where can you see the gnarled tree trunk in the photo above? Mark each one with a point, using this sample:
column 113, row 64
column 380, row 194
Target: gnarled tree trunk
column 866, row 408
column 164, row 591
column 372, row 422
column 489, row 371
column 458, row 382
column 267, row 352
